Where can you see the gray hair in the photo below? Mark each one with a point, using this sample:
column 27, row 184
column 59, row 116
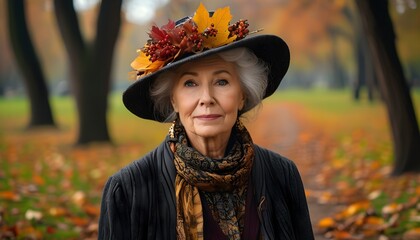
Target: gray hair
column 252, row 73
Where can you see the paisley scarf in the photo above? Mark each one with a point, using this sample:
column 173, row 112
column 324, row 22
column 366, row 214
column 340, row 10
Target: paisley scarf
column 223, row 182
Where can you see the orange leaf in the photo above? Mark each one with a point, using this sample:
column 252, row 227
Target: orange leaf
column 9, row 195
column 38, row 180
column 375, row 221
column 326, row 223
column 342, row 235
column 374, row 224
column 143, row 64
column 92, row 210
column 78, row 221
column 417, row 190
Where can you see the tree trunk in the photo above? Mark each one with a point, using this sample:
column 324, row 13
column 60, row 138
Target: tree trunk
column 339, row 77
column 361, row 71
column 366, row 76
column 90, row 66
column 371, row 76
column 392, row 84
column 366, row 72
column 29, row 64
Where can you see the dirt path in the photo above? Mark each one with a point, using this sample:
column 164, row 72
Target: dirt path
column 280, row 127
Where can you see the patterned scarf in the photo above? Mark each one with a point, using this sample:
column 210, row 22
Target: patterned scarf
column 222, row 181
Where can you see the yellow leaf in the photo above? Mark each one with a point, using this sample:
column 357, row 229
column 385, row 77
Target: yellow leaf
column 355, row 208
column 220, row 20
column 57, row 211
column 201, row 18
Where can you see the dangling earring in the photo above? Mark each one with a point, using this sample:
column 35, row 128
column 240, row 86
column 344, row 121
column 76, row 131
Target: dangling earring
column 239, row 123
column 171, row 130
column 172, row 127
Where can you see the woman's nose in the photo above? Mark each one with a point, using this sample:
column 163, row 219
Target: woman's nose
column 206, row 96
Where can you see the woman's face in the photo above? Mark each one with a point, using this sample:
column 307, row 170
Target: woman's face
column 207, row 95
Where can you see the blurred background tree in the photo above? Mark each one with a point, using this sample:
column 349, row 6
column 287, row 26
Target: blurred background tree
column 393, row 85
column 90, row 65
column 326, row 38
column 29, row 64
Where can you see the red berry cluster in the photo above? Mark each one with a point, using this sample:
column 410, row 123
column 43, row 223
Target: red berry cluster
column 169, row 41
column 210, row 31
column 161, row 50
column 191, row 39
column 240, row 29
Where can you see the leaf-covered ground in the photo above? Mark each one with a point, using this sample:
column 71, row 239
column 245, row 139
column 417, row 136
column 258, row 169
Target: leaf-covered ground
column 52, row 190
column 344, row 152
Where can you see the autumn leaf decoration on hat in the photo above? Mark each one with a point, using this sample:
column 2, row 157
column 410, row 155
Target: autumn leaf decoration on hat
column 199, row 33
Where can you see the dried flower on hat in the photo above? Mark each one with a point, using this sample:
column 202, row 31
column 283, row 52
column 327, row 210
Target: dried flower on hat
column 199, row 33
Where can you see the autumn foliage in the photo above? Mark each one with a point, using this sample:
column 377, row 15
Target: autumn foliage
column 201, row 32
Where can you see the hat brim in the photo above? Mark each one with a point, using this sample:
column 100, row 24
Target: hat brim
column 269, row 48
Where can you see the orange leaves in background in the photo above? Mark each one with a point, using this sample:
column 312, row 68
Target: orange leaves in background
column 353, row 182
column 219, row 21
column 51, row 192
column 384, row 212
column 9, row 195
column 327, row 223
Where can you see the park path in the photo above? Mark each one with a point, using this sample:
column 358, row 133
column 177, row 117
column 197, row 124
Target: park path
column 280, row 127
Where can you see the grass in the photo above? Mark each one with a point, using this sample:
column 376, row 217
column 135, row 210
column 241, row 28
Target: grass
column 337, row 103
column 344, row 116
column 41, row 172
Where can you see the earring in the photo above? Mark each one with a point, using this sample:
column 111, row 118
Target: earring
column 172, row 130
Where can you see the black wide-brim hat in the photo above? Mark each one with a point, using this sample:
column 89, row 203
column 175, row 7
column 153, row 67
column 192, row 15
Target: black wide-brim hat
column 269, row 48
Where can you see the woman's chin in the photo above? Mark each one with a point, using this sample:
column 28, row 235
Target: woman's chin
column 211, row 131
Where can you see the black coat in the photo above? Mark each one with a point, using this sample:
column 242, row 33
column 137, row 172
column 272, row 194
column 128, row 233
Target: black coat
column 139, row 201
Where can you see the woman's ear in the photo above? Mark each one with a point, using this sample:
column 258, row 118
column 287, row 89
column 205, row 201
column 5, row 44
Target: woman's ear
column 242, row 104
column 174, row 105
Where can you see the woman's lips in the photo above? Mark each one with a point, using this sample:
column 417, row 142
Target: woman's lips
column 208, row 116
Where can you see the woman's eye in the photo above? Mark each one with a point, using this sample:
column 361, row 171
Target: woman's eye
column 189, row 83
column 222, row 82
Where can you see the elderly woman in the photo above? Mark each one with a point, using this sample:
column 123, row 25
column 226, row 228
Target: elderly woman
column 207, row 179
